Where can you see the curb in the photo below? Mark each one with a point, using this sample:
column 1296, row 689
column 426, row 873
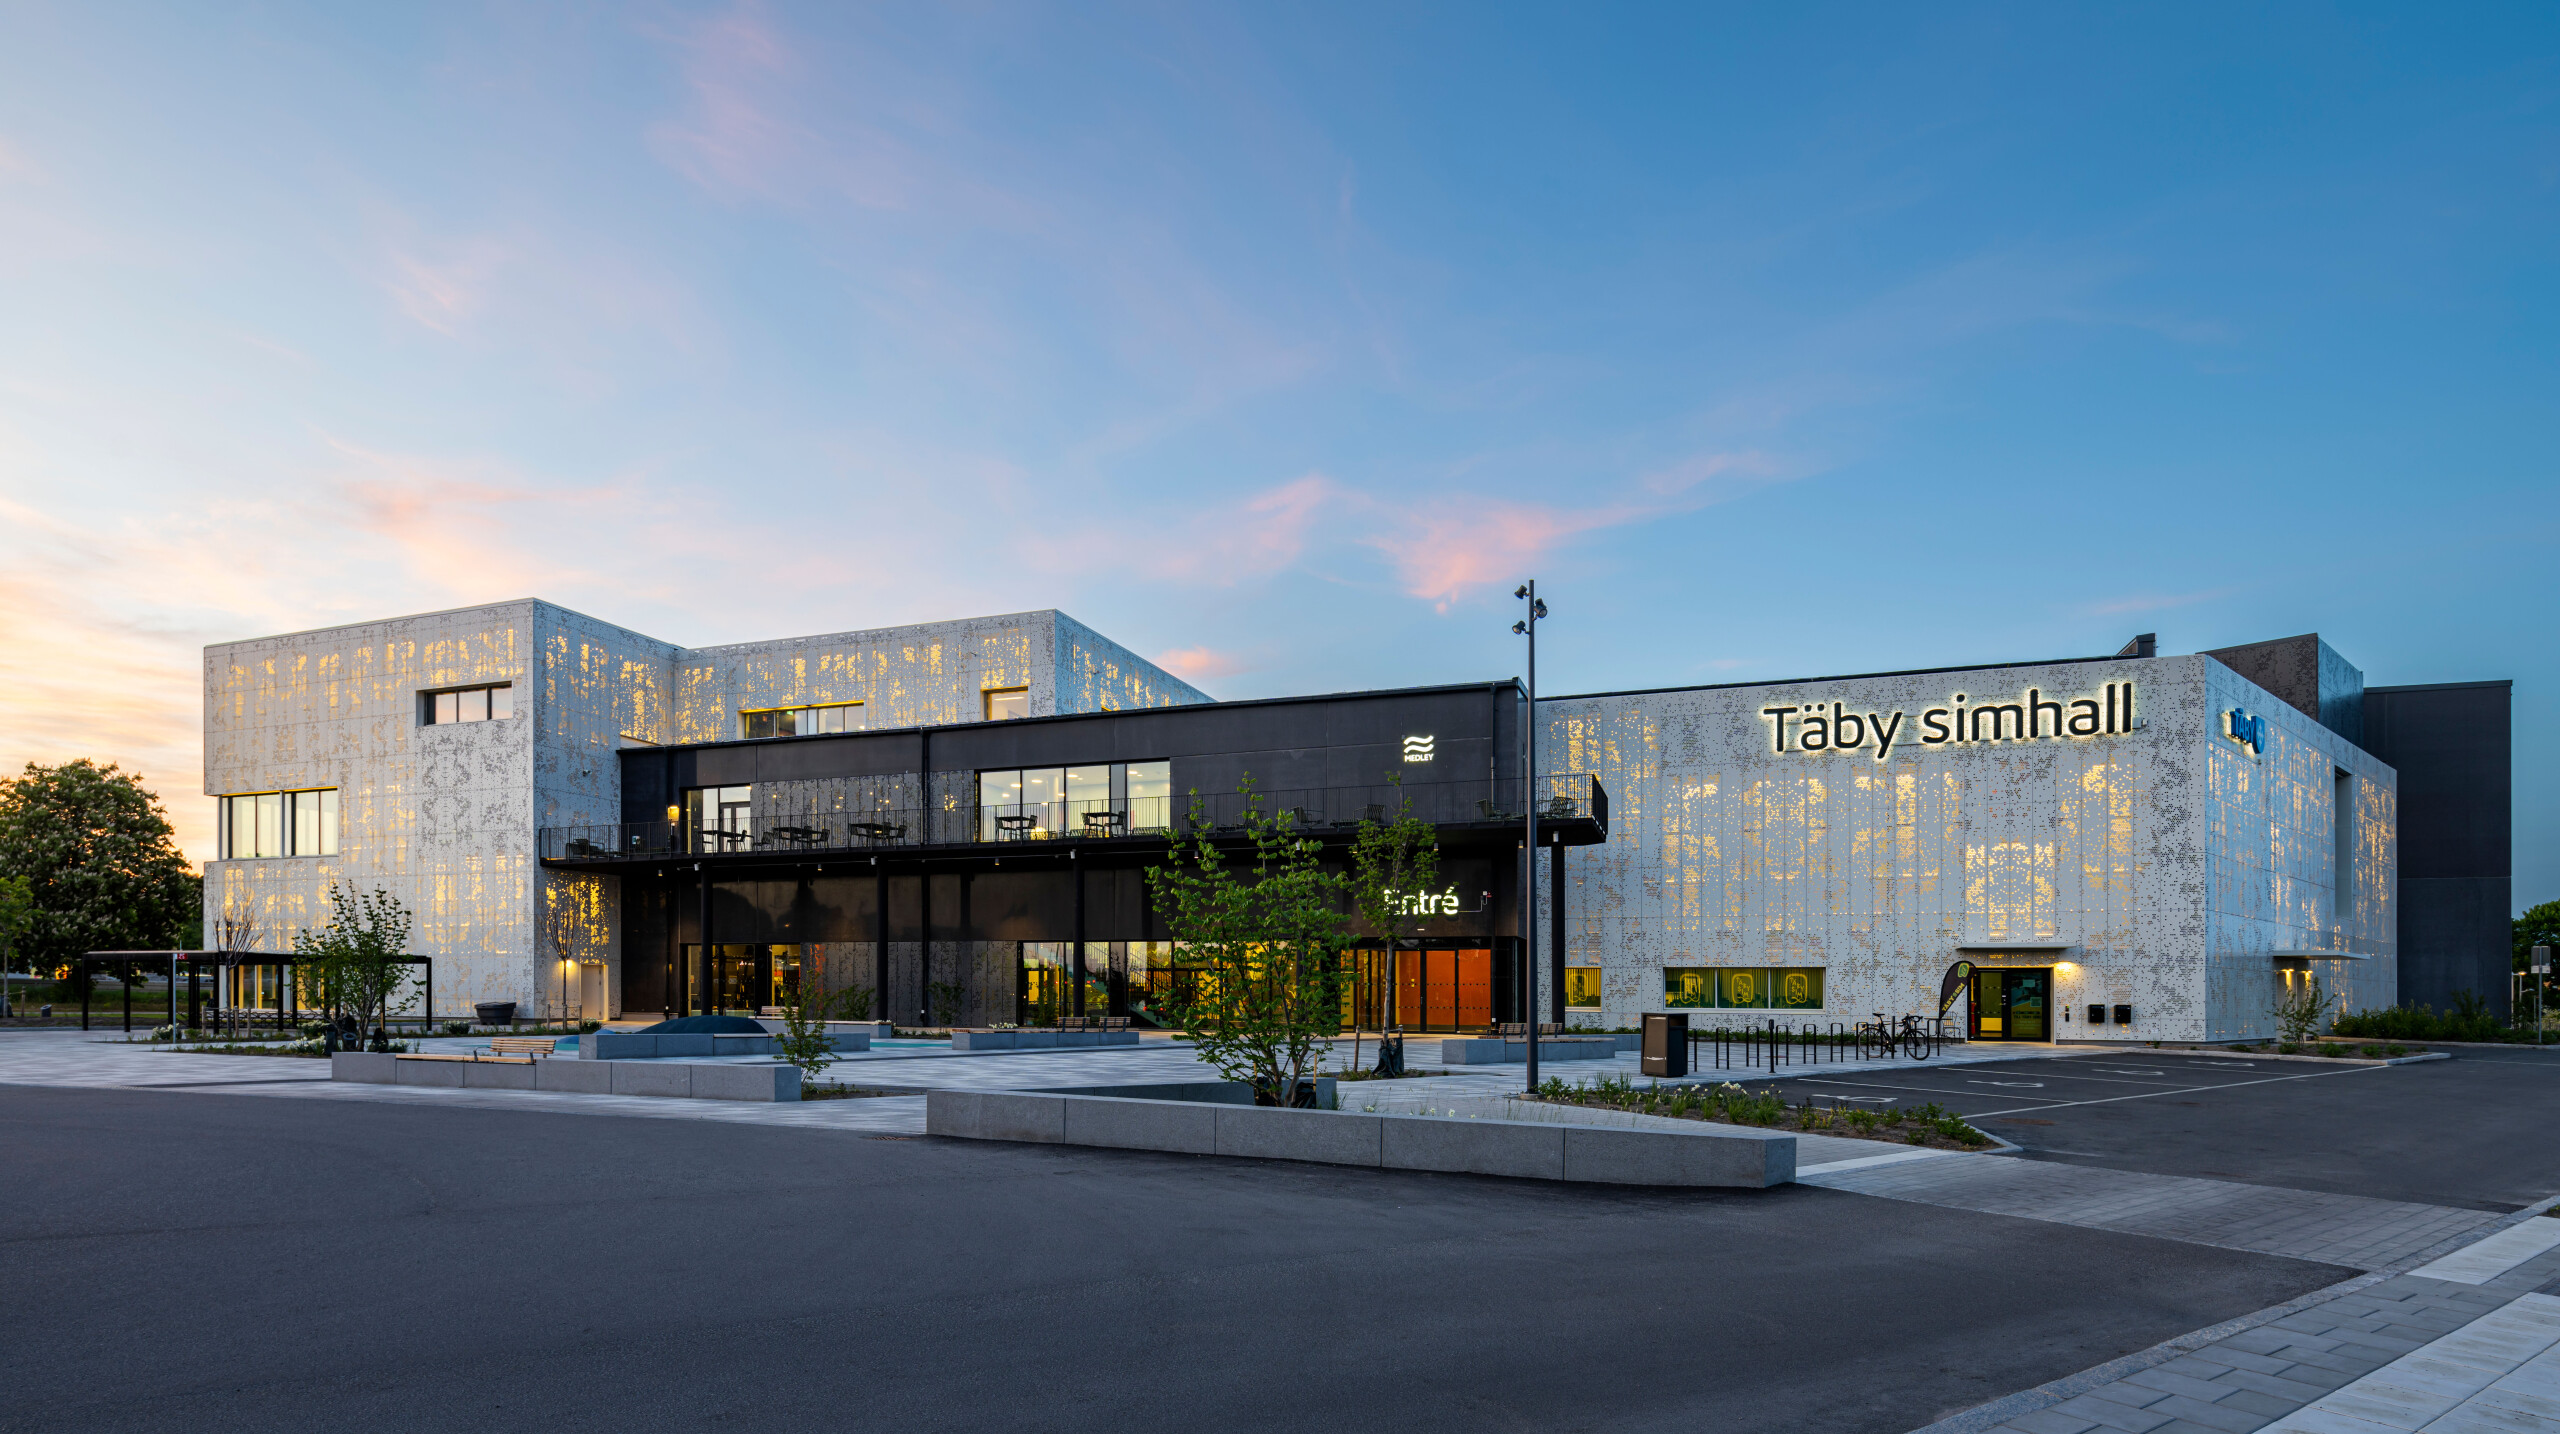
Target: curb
column 2315, row 1060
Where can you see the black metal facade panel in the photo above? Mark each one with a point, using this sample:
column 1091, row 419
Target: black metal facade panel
column 2453, row 746
column 2456, row 935
column 1035, row 903
column 1316, row 742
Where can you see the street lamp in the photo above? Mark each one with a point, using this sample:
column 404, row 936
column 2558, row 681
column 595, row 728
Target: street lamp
column 1528, row 627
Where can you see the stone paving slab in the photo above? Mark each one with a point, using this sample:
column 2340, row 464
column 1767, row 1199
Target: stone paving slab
column 2282, row 1363
column 2349, row 1230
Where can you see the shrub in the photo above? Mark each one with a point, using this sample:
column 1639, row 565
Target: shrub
column 2468, row 1021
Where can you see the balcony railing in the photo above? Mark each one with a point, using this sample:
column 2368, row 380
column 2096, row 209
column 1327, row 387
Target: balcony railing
column 1576, row 797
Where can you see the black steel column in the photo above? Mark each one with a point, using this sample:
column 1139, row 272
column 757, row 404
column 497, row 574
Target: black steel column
column 193, row 989
column 128, row 995
column 880, row 952
column 924, row 949
column 702, row 940
column 80, row 972
column 1078, row 868
column 1555, row 929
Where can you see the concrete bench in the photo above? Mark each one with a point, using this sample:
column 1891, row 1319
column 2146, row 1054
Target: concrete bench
column 1730, row 1157
column 1485, row 1051
column 673, row 1079
column 1039, row 1040
column 646, row 1046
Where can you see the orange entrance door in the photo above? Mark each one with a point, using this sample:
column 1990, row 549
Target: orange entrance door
column 1475, row 989
column 1409, row 989
column 1440, row 989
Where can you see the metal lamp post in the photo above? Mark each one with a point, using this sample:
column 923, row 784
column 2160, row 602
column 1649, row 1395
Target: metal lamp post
column 2541, row 965
column 1528, row 627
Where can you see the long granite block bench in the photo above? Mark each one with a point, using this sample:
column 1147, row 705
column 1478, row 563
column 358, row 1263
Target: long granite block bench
column 1038, row 1040
column 644, row 1046
column 674, row 1079
column 1488, row 1051
column 1710, row 1156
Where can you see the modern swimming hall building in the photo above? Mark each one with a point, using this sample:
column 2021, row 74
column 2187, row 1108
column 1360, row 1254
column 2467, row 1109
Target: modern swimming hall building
column 955, row 818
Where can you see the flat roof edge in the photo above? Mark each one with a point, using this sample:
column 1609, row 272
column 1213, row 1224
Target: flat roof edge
column 1842, row 677
column 2506, row 682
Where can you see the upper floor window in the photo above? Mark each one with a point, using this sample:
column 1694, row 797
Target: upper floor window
column 1044, row 803
column 264, row 824
column 467, row 704
column 720, row 818
column 1004, row 703
column 802, row 721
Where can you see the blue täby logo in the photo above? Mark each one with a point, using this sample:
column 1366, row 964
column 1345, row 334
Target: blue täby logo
column 2248, row 731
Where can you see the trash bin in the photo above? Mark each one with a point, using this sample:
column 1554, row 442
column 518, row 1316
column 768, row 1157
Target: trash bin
column 495, row 1013
column 1666, row 1045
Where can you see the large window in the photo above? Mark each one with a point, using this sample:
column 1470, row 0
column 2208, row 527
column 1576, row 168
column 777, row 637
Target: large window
column 802, row 721
column 467, row 704
column 1743, row 988
column 1582, row 988
column 719, row 818
column 1004, row 703
column 256, row 825
column 1102, row 800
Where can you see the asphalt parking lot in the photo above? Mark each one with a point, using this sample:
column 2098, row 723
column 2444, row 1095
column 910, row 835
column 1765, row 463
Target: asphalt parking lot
column 207, row 1262
column 2473, row 1132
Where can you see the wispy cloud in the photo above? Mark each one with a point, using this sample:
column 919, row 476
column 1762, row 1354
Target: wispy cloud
column 1200, row 664
column 2155, row 602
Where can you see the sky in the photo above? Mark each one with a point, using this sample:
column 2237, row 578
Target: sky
column 1281, row 341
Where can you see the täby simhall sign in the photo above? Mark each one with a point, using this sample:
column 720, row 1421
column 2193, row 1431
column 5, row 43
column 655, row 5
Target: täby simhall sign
column 1832, row 727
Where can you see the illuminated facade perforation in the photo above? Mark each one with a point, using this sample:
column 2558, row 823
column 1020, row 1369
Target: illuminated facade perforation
column 445, row 816
column 2171, row 861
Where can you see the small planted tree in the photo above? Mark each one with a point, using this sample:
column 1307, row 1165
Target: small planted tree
column 806, row 1008
column 1392, row 864
column 1265, row 931
column 357, row 963
column 2300, row 1008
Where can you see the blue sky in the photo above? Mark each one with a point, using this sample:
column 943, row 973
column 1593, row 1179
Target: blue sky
column 1280, row 342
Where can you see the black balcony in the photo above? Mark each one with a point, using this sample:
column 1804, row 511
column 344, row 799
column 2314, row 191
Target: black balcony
column 1572, row 809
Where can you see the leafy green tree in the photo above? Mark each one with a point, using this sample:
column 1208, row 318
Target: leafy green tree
column 1266, row 942
column 357, row 963
column 806, row 1008
column 1392, row 864
column 102, row 868
column 2539, row 926
column 17, row 913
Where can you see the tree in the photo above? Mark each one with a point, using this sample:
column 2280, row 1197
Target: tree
column 1266, row 998
column 807, row 1006
column 357, row 963
column 103, row 871
column 2539, row 926
column 1392, row 864
column 2300, row 1008
column 17, row 912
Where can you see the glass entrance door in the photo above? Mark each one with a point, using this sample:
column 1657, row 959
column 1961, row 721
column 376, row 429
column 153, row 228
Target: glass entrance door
column 2012, row 1005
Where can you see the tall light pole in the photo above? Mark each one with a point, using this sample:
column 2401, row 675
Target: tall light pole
column 1528, row 627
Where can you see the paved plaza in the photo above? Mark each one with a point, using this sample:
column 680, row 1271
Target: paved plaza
column 2129, row 1264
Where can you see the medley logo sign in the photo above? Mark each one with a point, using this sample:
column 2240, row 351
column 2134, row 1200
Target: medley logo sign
column 2248, row 731
column 1832, row 727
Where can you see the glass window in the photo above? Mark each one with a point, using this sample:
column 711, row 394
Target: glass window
column 270, row 824
column 1742, row 988
column 468, row 704
column 1796, row 988
column 1582, row 988
column 1044, row 800
column 1005, row 703
column 306, row 822
column 830, row 719
column 1089, row 807
column 1150, row 792
column 1687, row 986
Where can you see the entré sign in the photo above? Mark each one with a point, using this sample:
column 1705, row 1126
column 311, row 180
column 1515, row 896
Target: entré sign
column 1832, row 727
